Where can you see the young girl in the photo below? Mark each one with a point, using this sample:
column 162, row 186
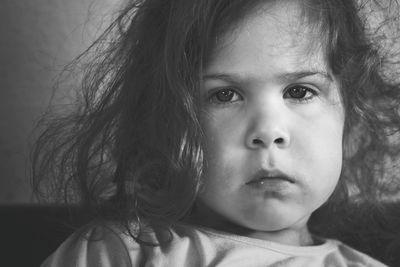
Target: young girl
column 226, row 133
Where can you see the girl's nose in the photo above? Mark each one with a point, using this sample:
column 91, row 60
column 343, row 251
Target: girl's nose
column 268, row 131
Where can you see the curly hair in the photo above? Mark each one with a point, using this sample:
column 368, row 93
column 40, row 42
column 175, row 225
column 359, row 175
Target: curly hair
column 132, row 149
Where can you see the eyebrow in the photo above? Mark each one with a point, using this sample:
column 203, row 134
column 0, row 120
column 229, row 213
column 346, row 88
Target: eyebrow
column 290, row 76
column 301, row 74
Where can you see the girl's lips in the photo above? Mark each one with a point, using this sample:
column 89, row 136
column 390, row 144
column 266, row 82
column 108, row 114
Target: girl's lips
column 264, row 175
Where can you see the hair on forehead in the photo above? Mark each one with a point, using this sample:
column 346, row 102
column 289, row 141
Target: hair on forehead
column 301, row 20
column 225, row 16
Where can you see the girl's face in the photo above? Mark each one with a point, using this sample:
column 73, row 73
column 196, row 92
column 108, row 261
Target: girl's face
column 274, row 121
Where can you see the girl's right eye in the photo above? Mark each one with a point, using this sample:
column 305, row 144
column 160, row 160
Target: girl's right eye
column 226, row 95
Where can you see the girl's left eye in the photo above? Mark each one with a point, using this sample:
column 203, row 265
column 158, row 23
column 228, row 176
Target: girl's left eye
column 225, row 95
column 300, row 93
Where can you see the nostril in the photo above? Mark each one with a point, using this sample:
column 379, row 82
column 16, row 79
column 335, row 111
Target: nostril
column 260, row 141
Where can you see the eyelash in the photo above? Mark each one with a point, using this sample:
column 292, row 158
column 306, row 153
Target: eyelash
column 213, row 96
column 304, row 89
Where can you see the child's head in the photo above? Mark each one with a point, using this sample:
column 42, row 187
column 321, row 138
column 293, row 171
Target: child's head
column 203, row 99
column 273, row 122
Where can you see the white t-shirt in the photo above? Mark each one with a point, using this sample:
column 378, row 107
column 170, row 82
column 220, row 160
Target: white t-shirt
column 108, row 245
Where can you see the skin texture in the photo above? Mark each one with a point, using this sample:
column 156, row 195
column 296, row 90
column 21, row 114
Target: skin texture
column 273, row 122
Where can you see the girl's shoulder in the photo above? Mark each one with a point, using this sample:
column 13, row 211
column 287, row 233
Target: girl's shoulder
column 358, row 258
column 96, row 244
column 106, row 244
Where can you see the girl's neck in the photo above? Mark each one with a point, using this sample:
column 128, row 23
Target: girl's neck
column 294, row 237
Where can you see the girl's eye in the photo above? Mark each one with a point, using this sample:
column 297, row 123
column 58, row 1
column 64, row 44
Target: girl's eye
column 225, row 96
column 299, row 92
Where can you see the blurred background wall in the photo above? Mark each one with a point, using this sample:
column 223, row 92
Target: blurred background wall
column 37, row 39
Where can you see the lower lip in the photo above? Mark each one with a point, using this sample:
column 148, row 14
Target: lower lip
column 272, row 184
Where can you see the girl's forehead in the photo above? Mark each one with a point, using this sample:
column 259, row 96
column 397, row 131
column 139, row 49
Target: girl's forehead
column 273, row 26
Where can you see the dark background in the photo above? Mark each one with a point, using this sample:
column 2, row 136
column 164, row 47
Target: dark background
column 38, row 38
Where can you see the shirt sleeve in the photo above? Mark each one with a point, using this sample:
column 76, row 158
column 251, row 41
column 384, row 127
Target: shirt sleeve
column 98, row 246
column 356, row 258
